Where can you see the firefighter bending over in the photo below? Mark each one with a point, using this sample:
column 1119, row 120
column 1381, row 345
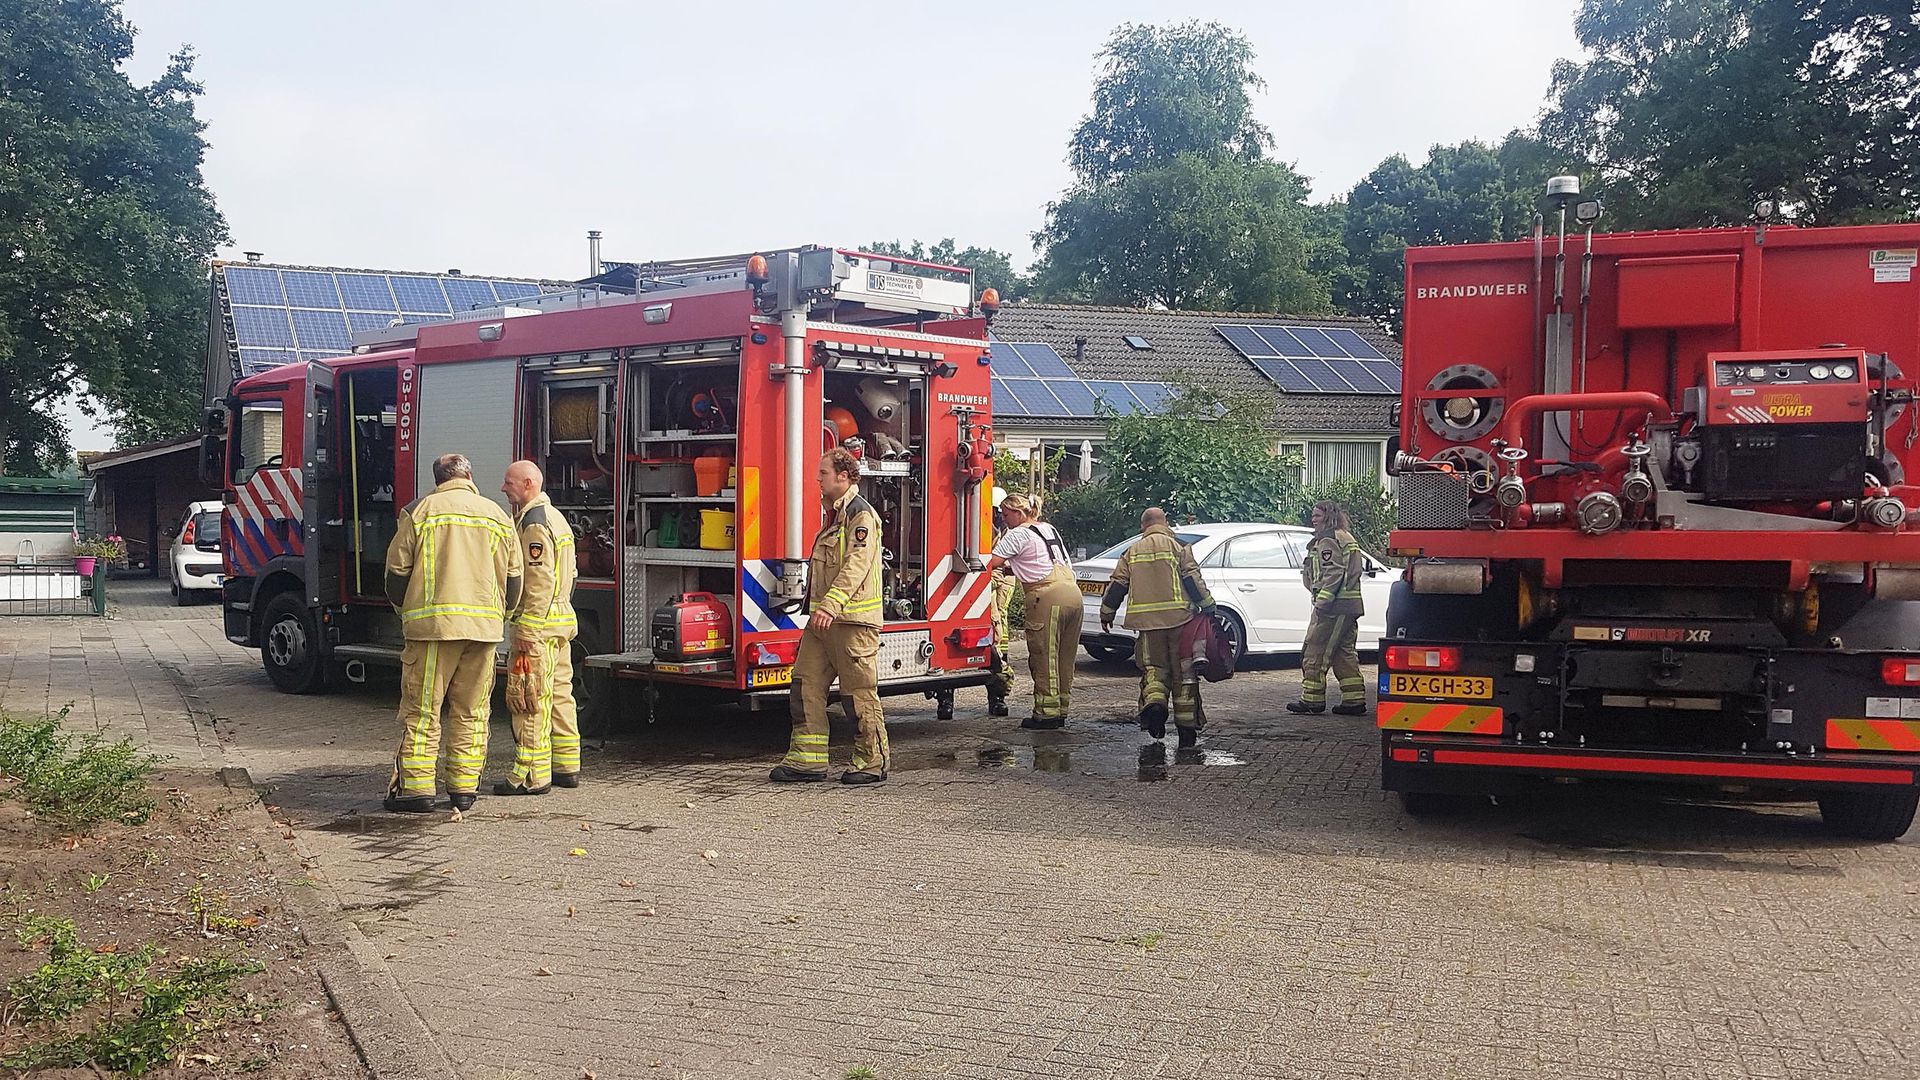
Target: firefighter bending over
column 842, row 638
column 1161, row 585
column 1033, row 550
column 1333, row 573
column 453, row 573
column 546, row 729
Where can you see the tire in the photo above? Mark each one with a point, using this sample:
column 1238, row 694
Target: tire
column 289, row 639
column 1869, row 815
column 1110, row 654
column 592, row 692
column 1237, row 632
column 179, row 594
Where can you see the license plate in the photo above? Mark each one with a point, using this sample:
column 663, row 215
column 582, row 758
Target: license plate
column 1440, row 686
column 1094, row 588
column 770, row 676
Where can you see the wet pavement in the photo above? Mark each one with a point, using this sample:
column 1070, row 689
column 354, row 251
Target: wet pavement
column 1079, row 903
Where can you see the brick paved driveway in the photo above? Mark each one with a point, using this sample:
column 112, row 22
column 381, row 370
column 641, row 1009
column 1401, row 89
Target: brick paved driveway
column 1067, row 904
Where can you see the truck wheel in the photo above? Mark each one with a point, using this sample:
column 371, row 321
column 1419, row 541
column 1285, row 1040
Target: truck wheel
column 1869, row 815
column 290, row 646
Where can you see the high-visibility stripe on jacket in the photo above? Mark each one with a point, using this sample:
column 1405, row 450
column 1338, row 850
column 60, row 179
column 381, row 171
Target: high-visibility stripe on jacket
column 1333, row 573
column 843, row 578
column 547, row 553
column 1158, row 580
column 453, row 568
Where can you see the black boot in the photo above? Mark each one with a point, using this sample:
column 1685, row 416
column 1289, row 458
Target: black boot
column 996, row 702
column 1153, row 719
column 1188, row 736
column 862, row 777
column 566, row 779
column 1043, row 723
column 408, row 804
column 1350, row 710
column 508, row 787
column 1306, row 709
column 787, row 774
column 462, row 800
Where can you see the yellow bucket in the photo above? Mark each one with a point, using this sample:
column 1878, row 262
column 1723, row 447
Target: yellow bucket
column 716, row 530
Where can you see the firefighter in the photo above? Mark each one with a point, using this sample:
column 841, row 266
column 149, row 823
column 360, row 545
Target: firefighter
column 546, row 730
column 453, row 573
column 1161, row 585
column 1002, row 585
column 1333, row 572
column 1034, row 552
column 842, row 637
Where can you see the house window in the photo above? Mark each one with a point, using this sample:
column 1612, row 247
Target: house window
column 1297, row 451
column 1328, row 460
column 1135, row 341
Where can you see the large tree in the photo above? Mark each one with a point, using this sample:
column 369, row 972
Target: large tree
column 107, row 226
column 1176, row 202
column 991, row 267
column 1690, row 110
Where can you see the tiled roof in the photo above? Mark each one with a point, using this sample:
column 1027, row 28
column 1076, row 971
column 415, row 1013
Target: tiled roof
column 1092, row 340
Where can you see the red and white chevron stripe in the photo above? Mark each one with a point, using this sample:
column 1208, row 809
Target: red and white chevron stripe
column 954, row 592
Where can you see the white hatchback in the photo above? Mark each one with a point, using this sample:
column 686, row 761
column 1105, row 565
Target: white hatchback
column 193, row 563
column 1253, row 571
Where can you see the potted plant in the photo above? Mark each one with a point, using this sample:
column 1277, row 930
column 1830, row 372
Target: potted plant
column 93, row 549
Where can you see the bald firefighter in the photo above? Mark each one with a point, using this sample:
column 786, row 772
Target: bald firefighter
column 546, row 731
column 1161, row 585
column 453, row 573
column 1333, row 573
column 1037, row 556
column 842, row 637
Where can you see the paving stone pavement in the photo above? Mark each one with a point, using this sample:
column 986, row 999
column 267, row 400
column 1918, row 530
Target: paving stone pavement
column 1076, row 904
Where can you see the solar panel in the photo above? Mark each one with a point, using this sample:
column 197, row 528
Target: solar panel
column 323, row 330
column 1114, row 396
column 255, row 360
column 1034, row 397
column 359, row 322
column 515, row 290
column 251, row 285
column 420, row 294
column 259, row 327
column 1074, row 396
column 1044, row 361
column 468, row 293
column 1007, row 362
column 367, row 292
column 1312, row 359
column 1003, row 400
column 309, row 289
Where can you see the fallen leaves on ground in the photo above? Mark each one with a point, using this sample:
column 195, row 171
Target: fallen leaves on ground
column 626, row 883
column 542, row 972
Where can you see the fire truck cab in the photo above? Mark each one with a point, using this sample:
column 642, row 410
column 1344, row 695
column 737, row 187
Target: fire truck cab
column 678, row 429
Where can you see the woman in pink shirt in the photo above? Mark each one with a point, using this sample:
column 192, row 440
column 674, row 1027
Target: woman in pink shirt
column 1034, row 552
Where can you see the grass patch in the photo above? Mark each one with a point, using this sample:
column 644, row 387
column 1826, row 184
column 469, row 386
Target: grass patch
column 130, row 1012
column 74, row 781
column 862, row 1072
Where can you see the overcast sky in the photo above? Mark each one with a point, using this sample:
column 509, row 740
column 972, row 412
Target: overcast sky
column 490, row 136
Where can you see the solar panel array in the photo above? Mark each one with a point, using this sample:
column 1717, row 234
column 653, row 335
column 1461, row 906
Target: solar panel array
column 1030, row 379
column 284, row 316
column 1315, row 359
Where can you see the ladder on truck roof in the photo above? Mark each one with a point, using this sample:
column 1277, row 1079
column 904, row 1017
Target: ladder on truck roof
column 847, row 286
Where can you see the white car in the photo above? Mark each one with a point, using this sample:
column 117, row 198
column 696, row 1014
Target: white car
column 1253, row 571
column 193, row 563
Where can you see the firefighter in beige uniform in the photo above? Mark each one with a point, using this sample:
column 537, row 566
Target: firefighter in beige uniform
column 1333, row 573
column 1161, row 585
column 453, row 573
column 842, row 637
column 546, row 730
column 1000, row 586
column 1051, row 600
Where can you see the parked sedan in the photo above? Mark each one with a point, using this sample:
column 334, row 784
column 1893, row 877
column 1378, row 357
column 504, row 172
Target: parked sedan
column 1253, row 571
column 193, row 563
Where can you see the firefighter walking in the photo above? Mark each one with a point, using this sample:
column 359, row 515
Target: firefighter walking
column 1333, row 573
column 546, row 729
column 1034, row 552
column 1161, row 586
column 452, row 573
column 842, row 636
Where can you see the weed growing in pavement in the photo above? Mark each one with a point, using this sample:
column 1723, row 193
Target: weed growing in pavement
column 130, row 1012
column 74, row 782
column 862, row 1072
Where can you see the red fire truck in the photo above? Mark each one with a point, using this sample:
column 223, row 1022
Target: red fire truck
column 1654, row 491
column 678, row 428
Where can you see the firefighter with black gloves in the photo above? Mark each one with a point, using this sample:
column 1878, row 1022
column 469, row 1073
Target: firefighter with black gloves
column 1333, row 573
column 453, row 573
column 1161, row 585
column 1037, row 556
column 546, row 728
column 842, row 636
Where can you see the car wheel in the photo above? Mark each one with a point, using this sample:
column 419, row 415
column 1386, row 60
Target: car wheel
column 290, row 646
column 1236, row 635
column 1110, row 654
column 179, row 595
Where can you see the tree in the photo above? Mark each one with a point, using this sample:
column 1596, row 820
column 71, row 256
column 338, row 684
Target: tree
column 1167, row 91
column 1690, row 110
column 109, row 226
column 1197, row 233
column 991, row 267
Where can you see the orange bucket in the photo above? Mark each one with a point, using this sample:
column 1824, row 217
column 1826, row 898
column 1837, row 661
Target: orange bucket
column 710, row 474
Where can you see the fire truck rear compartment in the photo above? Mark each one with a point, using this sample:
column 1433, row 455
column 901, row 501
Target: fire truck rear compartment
column 1664, row 698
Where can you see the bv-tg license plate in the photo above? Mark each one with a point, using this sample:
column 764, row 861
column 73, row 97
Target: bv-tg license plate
column 770, row 676
column 1440, row 686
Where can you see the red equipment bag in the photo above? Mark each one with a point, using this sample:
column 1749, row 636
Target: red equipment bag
column 1205, row 636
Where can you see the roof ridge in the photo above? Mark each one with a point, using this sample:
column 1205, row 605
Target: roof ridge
column 222, row 263
column 1187, row 313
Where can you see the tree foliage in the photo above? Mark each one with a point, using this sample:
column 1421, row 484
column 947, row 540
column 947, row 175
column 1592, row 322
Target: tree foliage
column 109, row 228
column 991, row 267
column 1690, row 110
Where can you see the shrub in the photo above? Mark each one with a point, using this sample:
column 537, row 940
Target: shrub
column 74, row 782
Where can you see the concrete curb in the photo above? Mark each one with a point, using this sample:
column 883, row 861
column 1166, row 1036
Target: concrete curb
column 393, row 1040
